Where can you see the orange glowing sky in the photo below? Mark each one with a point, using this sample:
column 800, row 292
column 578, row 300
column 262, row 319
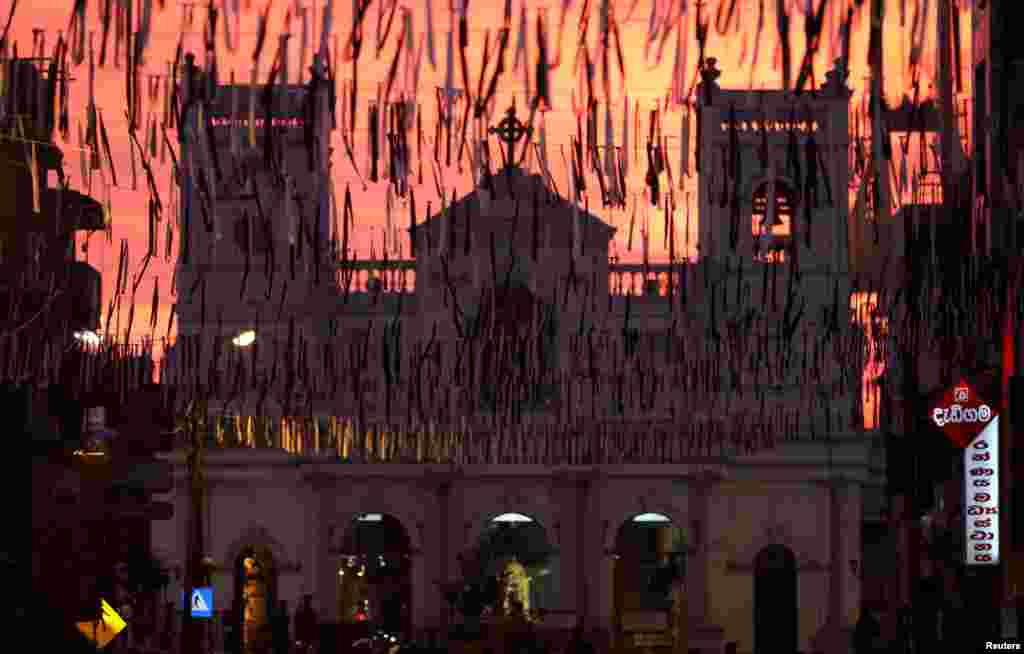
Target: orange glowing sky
column 646, row 82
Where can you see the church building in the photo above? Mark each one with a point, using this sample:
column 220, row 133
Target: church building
column 653, row 546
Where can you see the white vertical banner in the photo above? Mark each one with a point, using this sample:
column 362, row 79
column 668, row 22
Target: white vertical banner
column 981, row 496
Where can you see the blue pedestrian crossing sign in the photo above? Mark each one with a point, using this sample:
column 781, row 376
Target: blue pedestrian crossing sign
column 201, row 602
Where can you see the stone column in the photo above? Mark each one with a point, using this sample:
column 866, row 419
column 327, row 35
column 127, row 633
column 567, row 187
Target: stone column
column 423, row 591
column 585, row 531
column 835, row 568
column 439, row 541
column 315, row 570
column 702, row 635
column 844, row 544
column 698, row 593
column 850, row 549
column 603, row 608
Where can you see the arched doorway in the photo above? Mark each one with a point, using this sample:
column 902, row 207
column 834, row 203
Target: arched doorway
column 374, row 574
column 514, row 550
column 255, row 598
column 775, row 601
column 650, row 561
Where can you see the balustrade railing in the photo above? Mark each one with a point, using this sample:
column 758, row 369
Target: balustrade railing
column 378, row 276
column 653, row 280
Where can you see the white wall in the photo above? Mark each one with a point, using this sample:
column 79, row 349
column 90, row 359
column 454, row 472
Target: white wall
column 261, row 497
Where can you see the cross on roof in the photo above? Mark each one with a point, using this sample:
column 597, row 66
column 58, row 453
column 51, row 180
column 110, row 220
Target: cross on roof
column 510, row 130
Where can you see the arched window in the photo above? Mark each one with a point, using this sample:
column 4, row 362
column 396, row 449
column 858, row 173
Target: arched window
column 772, row 240
column 519, row 565
column 374, row 573
column 255, row 599
column 649, row 555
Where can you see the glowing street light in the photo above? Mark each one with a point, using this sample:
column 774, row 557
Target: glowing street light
column 244, row 338
column 87, row 337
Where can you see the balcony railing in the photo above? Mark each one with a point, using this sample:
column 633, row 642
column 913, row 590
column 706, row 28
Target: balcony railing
column 377, row 276
column 399, row 276
column 653, row 280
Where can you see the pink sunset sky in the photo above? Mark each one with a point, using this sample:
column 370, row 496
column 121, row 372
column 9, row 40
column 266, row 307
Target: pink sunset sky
column 647, row 82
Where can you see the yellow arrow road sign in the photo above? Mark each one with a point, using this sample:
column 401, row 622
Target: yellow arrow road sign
column 104, row 630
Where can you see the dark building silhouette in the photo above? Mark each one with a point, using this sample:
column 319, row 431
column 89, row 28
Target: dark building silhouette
column 91, row 486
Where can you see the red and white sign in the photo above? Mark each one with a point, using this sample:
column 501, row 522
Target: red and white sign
column 961, row 414
column 974, row 426
column 981, row 496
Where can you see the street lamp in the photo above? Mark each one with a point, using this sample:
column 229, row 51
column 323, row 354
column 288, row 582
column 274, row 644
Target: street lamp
column 244, row 338
column 87, row 337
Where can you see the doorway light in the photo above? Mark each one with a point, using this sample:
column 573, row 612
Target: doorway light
column 652, row 517
column 512, row 517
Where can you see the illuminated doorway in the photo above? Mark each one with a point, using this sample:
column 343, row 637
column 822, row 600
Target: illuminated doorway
column 649, row 607
column 775, row 601
column 515, row 551
column 374, row 574
column 256, row 595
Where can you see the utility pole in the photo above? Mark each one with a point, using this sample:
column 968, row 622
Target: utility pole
column 193, row 632
column 1016, row 387
column 1010, row 426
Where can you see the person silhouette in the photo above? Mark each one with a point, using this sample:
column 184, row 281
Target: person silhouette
column 279, row 628
column 578, row 644
column 867, row 632
column 305, row 625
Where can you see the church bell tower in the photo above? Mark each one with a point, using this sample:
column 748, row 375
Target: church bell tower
column 773, row 171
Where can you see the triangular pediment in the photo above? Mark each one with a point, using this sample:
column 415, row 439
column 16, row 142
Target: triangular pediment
column 495, row 211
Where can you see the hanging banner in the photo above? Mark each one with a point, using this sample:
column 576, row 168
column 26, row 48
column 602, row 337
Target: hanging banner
column 973, row 425
column 981, row 496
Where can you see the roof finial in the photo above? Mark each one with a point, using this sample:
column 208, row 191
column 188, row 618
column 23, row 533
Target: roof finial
column 510, row 131
column 835, row 79
column 709, row 75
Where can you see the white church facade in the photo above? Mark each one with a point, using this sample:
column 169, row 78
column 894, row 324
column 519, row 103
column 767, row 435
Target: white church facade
column 767, row 544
